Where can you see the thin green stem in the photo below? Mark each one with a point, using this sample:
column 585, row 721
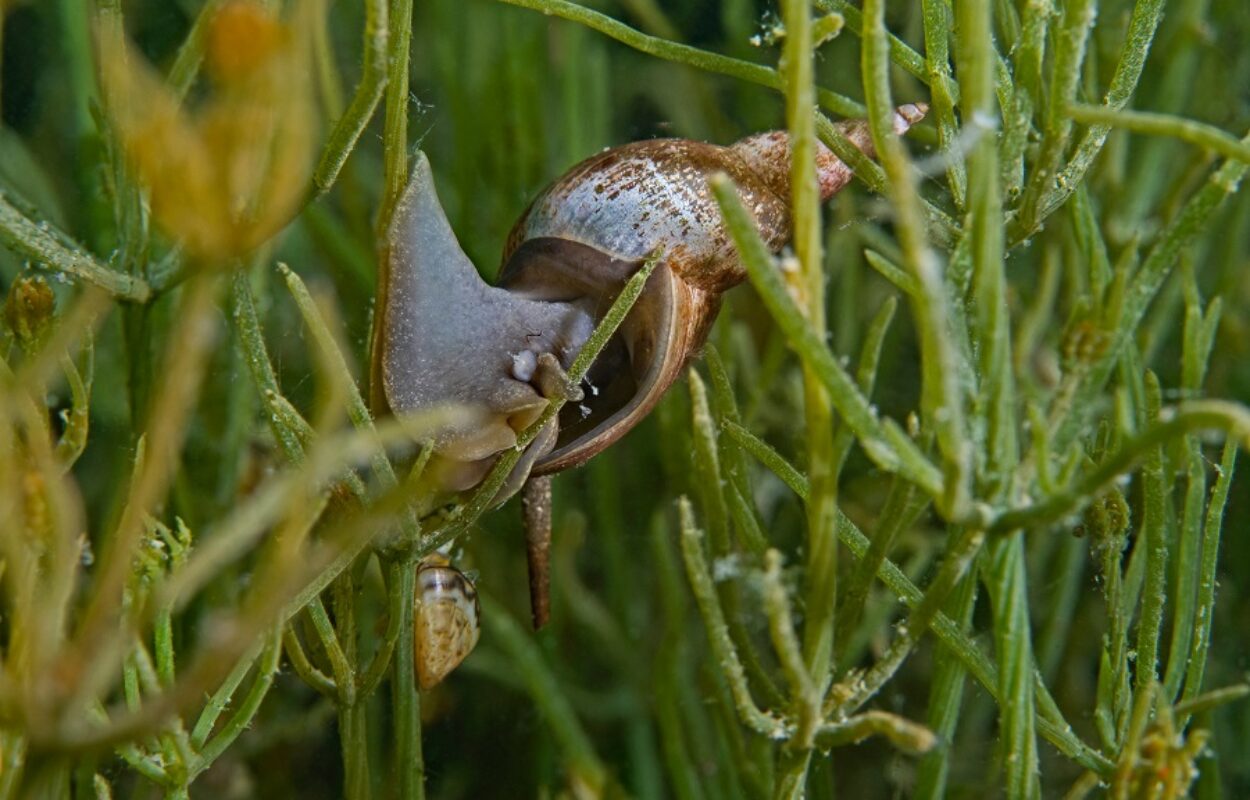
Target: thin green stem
column 1232, row 419
column 306, row 670
column 191, row 52
column 1211, row 529
column 946, row 697
column 40, row 243
column 820, row 590
column 244, row 715
column 329, row 638
column 1141, row 31
column 682, row 53
column 944, row 91
column 1154, row 536
column 1006, row 582
column 395, row 137
column 884, row 442
column 804, row 691
column 347, row 130
column 907, row 736
column 704, row 589
column 1198, row 133
column 1141, row 291
column 410, row 758
column 941, row 403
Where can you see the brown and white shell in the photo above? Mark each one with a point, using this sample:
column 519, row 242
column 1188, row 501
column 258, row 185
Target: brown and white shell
column 443, row 336
column 446, row 615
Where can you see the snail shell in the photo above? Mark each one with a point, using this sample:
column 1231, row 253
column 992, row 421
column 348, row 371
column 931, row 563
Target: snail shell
column 446, row 616
column 442, row 335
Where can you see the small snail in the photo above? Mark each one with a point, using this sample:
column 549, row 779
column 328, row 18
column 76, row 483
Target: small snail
column 444, row 336
column 446, row 615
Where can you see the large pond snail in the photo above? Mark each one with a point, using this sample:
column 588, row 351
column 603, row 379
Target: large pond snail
column 444, row 336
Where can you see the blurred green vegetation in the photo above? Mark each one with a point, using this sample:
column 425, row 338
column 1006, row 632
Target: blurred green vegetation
column 623, row 693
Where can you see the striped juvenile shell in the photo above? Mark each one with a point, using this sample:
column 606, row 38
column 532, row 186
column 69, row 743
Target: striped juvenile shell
column 446, row 617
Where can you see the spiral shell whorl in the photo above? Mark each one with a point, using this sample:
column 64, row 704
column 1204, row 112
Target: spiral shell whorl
column 768, row 154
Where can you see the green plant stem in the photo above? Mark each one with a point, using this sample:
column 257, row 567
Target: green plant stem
column 794, row 766
column 395, row 137
column 884, row 442
column 339, row 544
column 218, row 702
column 1197, row 133
column 1141, row 31
column 369, row 677
column 946, row 697
column 944, row 92
column 191, row 52
column 905, row 735
column 865, row 377
column 804, row 691
column 339, row 664
column 369, row 90
column 962, row 550
column 718, row 632
column 255, row 355
column 1184, row 591
column 1155, row 538
column 708, row 468
column 409, row 756
column 1027, row 57
column 1206, row 584
column 903, row 505
column 738, row 488
column 1141, row 291
column 991, row 321
column 47, row 248
column 683, row 54
column 941, row 404
column 241, row 529
column 767, row 456
column 341, row 375
column 1071, row 35
column 187, row 355
column 341, row 645
column 1008, row 595
column 307, row 671
column 242, row 718
column 1232, row 419
column 820, row 589
column 1210, row 700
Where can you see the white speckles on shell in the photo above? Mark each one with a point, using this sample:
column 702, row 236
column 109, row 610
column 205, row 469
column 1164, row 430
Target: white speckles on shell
column 602, row 211
column 446, row 617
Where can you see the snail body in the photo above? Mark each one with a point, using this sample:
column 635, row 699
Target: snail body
column 444, row 336
column 446, row 617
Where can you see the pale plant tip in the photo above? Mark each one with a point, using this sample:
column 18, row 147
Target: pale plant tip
column 228, row 172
